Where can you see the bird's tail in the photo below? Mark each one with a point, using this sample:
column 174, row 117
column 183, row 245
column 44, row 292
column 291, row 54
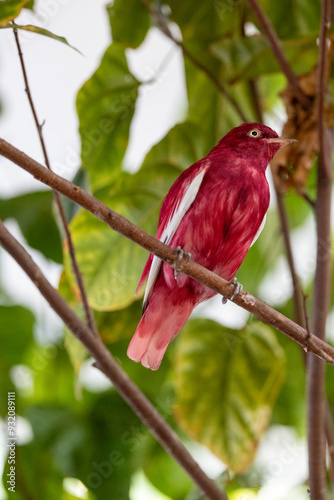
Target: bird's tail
column 164, row 317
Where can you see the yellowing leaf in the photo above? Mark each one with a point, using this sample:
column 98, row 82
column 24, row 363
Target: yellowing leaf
column 9, row 9
column 41, row 31
column 226, row 383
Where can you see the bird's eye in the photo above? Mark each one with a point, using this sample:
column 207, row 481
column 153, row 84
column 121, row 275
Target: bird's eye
column 254, row 133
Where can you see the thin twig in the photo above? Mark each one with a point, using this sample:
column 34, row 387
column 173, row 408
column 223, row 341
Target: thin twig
column 165, row 29
column 124, row 385
column 89, row 315
column 321, row 297
column 262, row 311
column 309, row 200
column 307, row 325
column 276, row 46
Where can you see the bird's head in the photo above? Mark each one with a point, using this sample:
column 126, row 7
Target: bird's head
column 254, row 141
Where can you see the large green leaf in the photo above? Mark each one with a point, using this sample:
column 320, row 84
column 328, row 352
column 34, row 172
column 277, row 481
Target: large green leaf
column 226, row 383
column 129, row 21
column 34, row 214
column 110, row 263
column 105, row 106
column 9, row 9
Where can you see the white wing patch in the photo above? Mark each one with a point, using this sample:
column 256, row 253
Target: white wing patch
column 170, row 229
column 259, row 231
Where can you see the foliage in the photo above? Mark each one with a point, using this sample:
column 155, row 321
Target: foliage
column 218, row 386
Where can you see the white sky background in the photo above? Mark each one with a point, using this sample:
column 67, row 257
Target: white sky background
column 56, row 72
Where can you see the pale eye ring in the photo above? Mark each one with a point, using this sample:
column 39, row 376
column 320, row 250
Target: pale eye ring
column 254, row 133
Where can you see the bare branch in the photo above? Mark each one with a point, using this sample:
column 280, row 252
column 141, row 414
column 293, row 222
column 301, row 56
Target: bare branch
column 276, row 46
column 165, row 29
column 105, row 361
column 78, row 276
column 265, row 313
column 322, row 283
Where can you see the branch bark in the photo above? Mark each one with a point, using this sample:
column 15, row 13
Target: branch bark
column 321, row 300
column 262, row 311
column 76, row 271
column 106, row 363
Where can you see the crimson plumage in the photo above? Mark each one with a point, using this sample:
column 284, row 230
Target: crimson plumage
column 215, row 211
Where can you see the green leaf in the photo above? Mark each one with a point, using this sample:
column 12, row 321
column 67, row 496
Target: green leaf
column 33, row 213
column 203, row 22
column 166, row 474
column 105, row 106
column 36, row 474
column 292, row 19
column 17, row 334
column 290, row 407
column 262, row 256
column 40, row 31
column 117, row 325
column 110, row 263
column 226, row 383
column 16, row 338
column 297, row 208
column 9, row 9
column 129, row 21
column 51, row 368
column 251, row 56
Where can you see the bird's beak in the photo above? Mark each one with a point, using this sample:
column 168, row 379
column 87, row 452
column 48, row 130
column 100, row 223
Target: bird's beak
column 281, row 141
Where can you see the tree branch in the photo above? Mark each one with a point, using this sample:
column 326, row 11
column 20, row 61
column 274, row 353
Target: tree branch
column 165, row 29
column 262, row 311
column 78, row 276
column 322, row 282
column 276, row 47
column 105, row 361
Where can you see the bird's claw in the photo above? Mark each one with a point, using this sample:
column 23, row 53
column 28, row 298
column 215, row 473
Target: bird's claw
column 237, row 289
column 181, row 255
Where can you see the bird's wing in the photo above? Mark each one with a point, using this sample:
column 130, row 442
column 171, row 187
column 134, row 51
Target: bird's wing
column 178, row 201
column 259, row 231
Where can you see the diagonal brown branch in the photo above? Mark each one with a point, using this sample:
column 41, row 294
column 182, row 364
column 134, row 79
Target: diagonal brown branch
column 105, row 361
column 322, row 283
column 78, row 276
column 276, row 46
column 265, row 313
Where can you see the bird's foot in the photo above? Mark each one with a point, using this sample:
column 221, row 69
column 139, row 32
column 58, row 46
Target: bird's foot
column 181, row 255
column 237, row 289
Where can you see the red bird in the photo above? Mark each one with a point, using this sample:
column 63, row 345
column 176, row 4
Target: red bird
column 215, row 210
